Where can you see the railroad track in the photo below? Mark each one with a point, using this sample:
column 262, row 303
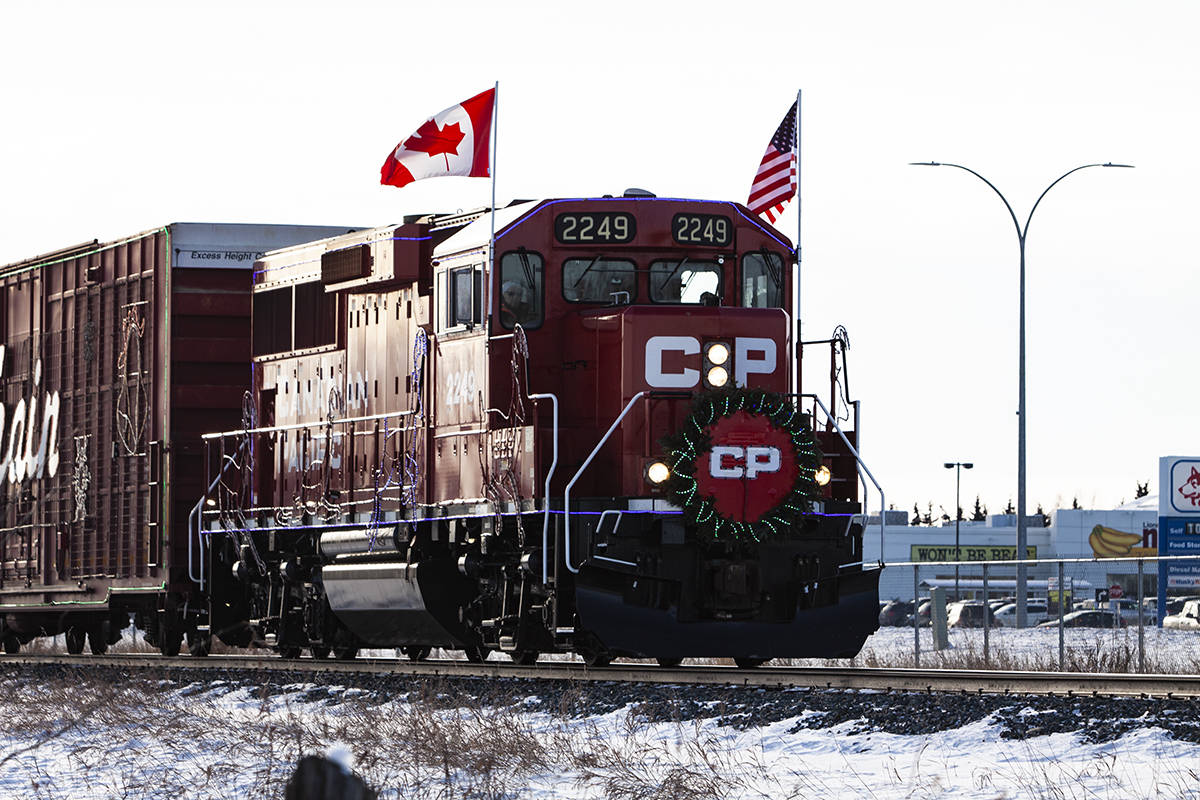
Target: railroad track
column 988, row 682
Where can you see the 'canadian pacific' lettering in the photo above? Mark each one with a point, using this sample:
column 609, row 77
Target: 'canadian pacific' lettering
column 22, row 459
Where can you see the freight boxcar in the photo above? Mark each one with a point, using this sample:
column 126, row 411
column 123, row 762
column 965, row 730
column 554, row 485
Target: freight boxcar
column 115, row 357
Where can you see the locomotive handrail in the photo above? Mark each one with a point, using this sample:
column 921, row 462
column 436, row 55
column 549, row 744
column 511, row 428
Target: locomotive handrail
column 198, row 516
column 861, row 465
column 546, row 493
column 588, row 461
column 301, row 425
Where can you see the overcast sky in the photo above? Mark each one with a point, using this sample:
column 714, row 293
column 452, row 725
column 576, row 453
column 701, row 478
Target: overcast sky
column 120, row 117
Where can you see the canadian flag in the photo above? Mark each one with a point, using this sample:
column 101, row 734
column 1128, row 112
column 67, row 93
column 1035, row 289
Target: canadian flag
column 453, row 142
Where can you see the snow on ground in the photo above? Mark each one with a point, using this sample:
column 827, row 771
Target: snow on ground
column 229, row 739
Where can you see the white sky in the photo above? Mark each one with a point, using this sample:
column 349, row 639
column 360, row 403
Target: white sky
column 119, row 117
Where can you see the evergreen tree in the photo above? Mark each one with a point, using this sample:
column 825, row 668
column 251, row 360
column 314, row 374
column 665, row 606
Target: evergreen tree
column 980, row 513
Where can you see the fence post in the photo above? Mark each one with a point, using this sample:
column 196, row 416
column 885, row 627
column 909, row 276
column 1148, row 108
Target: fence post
column 987, row 623
column 1062, row 646
column 1141, row 625
column 916, row 620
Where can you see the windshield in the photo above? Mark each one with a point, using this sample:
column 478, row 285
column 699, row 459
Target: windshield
column 599, row 280
column 684, row 281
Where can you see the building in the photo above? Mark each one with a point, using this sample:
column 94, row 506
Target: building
column 1099, row 549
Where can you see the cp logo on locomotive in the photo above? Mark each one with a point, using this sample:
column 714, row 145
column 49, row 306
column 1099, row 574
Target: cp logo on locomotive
column 732, row 461
column 751, row 355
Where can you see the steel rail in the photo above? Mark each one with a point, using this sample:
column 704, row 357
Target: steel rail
column 840, row 678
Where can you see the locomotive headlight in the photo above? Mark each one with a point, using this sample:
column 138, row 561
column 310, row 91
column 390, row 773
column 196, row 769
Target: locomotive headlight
column 657, row 473
column 717, row 377
column 717, row 353
column 822, row 476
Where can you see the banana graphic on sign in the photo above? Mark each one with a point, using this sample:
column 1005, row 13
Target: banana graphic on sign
column 1111, row 543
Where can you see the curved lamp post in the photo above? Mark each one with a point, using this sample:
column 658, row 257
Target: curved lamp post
column 1021, row 233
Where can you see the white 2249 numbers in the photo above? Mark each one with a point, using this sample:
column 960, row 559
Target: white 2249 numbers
column 460, row 387
column 613, row 227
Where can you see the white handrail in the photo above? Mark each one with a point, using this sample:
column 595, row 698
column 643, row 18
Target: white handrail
column 567, row 493
column 546, row 499
column 862, row 466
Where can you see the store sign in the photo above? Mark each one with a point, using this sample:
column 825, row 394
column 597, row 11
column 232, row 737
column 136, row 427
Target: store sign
column 939, row 552
column 1178, row 525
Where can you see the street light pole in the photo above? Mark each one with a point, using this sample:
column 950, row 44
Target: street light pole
column 958, row 467
column 1022, row 537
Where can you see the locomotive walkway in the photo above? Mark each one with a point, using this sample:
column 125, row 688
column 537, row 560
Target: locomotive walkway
column 983, row 682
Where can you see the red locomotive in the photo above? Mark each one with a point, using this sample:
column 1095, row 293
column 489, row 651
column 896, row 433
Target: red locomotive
column 590, row 449
column 584, row 444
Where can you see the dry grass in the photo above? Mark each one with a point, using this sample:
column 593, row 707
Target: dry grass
column 140, row 740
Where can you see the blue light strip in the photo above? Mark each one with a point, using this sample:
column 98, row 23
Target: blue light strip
column 755, row 222
column 352, row 525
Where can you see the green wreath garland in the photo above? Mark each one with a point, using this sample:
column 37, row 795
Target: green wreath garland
column 683, row 448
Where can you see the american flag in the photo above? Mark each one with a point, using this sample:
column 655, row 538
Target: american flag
column 775, row 183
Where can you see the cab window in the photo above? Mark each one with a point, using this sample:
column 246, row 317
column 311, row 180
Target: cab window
column 762, row 280
column 599, row 280
column 521, row 290
column 462, row 297
column 685, row 281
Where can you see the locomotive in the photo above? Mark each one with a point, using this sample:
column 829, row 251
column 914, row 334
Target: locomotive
column 564, row 425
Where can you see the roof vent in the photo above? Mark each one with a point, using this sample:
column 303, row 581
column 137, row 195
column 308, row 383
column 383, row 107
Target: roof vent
column 633, row 192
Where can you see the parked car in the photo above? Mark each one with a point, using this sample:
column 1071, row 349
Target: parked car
column 969, row 614
column 923, row 612
column 999, row 603
column 895, row 612
column 1176, row 604
column 1188, row 618
column 1088, row 618
column 1035, row 613
column 1128, row 608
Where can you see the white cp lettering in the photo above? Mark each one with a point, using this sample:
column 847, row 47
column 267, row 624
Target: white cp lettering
column 755, row 459
column 753, row 355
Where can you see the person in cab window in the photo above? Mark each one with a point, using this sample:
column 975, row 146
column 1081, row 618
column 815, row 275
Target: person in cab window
column 514, row 304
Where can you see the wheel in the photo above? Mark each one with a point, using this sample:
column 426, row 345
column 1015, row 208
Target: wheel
column 170, row 640
column 199, row 644
column 76, row 638
column 524, row 657
column 289, row 651
column 477, row 655
column 745, row 662
column 97, row 641
column 12, row 645
column 416, row 652
column 345, row 653
column 319, row 651
column 669, row 662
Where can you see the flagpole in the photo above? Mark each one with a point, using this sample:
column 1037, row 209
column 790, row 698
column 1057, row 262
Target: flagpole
column 796, row 269
column 491, row 276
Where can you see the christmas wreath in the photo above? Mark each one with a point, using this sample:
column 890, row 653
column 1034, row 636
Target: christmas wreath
column 742, row 464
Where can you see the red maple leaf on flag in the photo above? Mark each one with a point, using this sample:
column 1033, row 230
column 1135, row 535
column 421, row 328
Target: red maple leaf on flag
column 433, row 140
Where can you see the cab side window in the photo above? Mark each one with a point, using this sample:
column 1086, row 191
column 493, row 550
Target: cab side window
column 762, row 280
column 462, row 293
column 521, row 290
